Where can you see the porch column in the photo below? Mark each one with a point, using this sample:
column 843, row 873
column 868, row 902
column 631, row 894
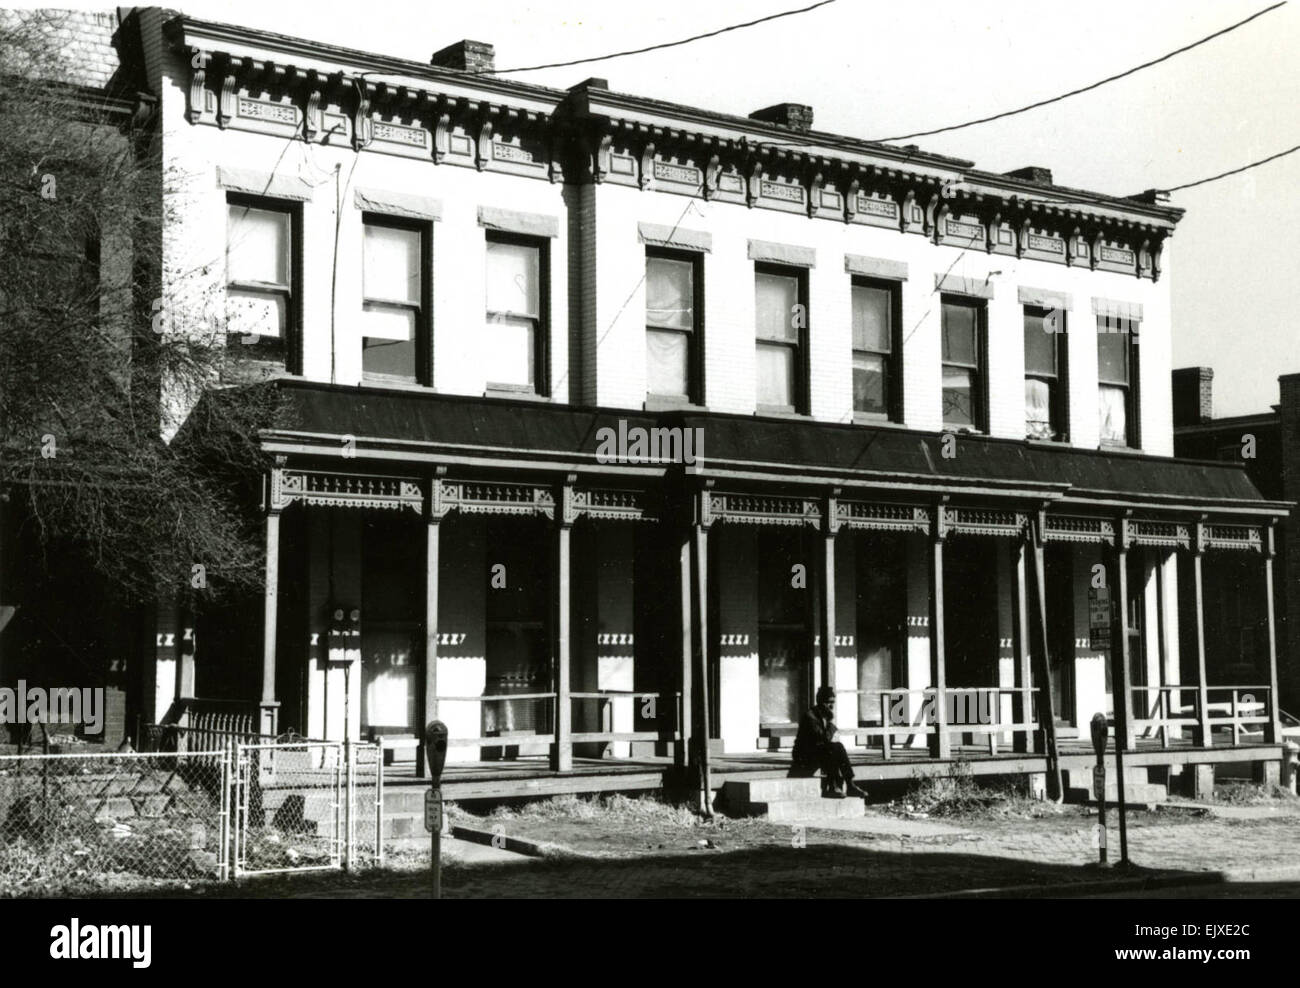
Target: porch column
column 1270, row 552
column 269, row 706
column 700, row 649
column 939, row 746
column 562, row 751
column 1123, row 682
column 1046, row 709
column 681, row 755
column 433, row 514
column 826, row 623
column 1020, row 644
column 1202, row 693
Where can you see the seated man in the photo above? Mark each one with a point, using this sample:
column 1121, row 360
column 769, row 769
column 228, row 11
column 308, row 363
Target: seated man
column 815, row 748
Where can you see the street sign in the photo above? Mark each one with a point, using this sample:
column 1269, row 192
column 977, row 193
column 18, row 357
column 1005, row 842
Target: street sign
column 1099, row 781
column 1099, row 618
column 433, row 811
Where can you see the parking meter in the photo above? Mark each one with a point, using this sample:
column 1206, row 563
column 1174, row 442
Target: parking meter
column 1100, row 729
column 435, row 747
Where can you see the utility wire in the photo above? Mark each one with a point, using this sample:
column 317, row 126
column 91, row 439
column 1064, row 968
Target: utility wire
column 1235, row 171
column 1084, row 89
column 660, row 47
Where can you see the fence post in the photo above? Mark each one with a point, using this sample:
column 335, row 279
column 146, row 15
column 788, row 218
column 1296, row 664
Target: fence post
column 223, row 822
column 379, row 804
column 348, row 814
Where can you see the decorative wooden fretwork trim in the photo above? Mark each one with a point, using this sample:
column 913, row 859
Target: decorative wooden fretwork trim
column 480, row 498
column 604, row 504
column 1167, row 534
column 1248, row 538
column 320, row 488
column 762, row 509
column 877, row 517
column 987, row 521
column 1076, row 528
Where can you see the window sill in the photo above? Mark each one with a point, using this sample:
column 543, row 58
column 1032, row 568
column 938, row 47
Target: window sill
column 395, row 383
column 781, row 412
column 864, row 418
column 1032, row 441
column 1106, row 447
column 963, row 430
column 514, row 392
column 663, row 403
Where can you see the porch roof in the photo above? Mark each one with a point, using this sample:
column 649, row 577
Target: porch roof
column 422, row 427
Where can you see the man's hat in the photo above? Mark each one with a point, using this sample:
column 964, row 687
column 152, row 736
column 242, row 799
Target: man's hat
column 824, row 693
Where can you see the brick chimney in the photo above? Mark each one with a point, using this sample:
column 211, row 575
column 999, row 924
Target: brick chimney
column 795, row 116
column 1193, row 395
column 1032, row 173
column 467, row 56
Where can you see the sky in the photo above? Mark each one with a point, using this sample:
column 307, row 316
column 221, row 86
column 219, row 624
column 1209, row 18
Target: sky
column 873, row 69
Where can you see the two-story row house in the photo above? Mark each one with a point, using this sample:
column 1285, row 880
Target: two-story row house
column 613, row 427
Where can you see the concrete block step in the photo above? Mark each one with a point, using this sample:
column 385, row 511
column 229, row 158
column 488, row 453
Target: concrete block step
column 1134, row 792
column 785, row 810
column 740, row 794
column 784, row 743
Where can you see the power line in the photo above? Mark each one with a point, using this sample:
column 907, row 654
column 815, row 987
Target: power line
column 1084, row 89
column 666, row 44
column 1235, row 171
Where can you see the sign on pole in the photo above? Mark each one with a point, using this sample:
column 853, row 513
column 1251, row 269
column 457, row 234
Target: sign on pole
column 1099, row 618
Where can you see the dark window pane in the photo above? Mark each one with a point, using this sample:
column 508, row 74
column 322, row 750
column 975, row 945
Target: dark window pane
column 1112, row 352
column 775, row 298
column 871, row 319
column 669, row 293
column 959, row 336
column 870, row 391
column 958, row 396
column 1040, row 344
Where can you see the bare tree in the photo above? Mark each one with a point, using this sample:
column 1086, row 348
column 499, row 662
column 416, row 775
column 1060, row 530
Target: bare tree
column 88, row 371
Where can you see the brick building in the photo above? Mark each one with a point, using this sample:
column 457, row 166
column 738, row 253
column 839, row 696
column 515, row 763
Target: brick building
column 1268, row 445
column 923, row 430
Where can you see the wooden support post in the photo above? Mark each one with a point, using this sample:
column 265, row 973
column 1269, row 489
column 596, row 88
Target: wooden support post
column 1020, row 642
column 562, row 751
column 1274, row 730
column 700, row 649
column 684, row 710
column 1203, row 692
column 939, row 741
column 826, row 624
column 1046, row 709
column 433, row 515
column 1122, row 677
column 270, row 601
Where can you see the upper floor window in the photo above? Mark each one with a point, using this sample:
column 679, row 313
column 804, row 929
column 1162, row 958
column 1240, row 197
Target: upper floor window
column 1117, row 359
column 517, row 307
column 964, row 367
column 877, row 350
column 395, row 303
column 780, row 305
column 1045, row 373
column 672, row 330
column 260, row 276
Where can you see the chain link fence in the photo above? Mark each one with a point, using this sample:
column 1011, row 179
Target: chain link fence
column 80, row 822
column 77, row 823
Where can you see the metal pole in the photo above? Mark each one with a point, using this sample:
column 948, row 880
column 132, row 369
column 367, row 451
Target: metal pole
column 435, row 851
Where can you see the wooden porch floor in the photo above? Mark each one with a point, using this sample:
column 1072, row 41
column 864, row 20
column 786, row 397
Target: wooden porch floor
column 533, row 777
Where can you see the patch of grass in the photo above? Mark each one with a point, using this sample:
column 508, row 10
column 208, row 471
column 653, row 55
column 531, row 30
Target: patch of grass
column 1252, row 794
column 617, row 808
column 960, row 795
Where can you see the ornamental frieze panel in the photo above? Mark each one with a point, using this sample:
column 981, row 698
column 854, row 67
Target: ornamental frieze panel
column 475, row 498
column 876, row 517
column 986, row 522
column 1161, row 534
column 1247, row 538
column 760, row 509
column 1079, row 529
column 340, row 490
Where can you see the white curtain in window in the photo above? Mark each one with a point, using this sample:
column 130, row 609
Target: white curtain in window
column 775, row 298
column 512, row 279
column 958, row 396
column 669, row 294
column 383, row 322
column 1114, row 414
column 509, row 351
column 775, row 375
column 257, row 247
column 666, row 362
column 871, row 319
column 1038, row 409
column 392, row 264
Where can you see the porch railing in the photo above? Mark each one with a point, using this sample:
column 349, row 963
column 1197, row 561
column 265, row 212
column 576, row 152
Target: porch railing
column 920, row 720
column 504, row 736
column 1236, row 710
column 605, row 715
